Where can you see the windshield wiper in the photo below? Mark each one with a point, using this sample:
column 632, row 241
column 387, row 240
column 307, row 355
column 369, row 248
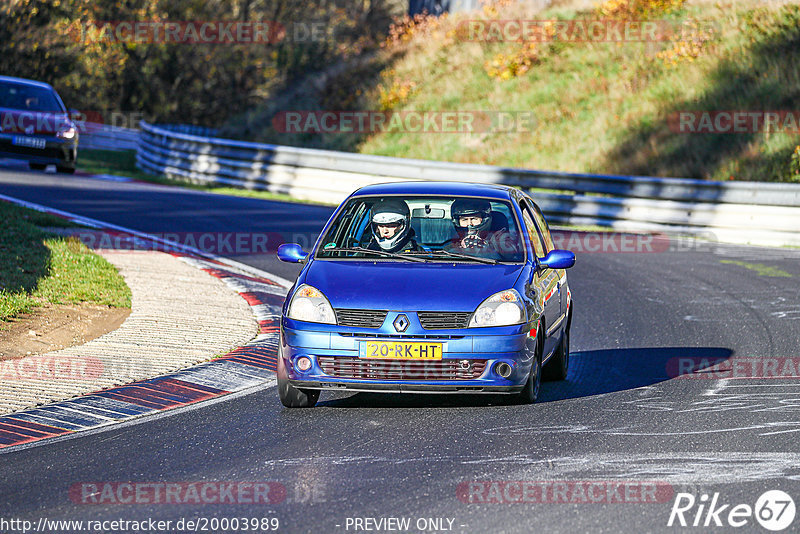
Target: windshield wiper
column 463, row 256
column 378, row 252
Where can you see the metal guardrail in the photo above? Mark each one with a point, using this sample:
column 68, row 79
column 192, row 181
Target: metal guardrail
column 191, row 129
column 105, row 137
column 739, row 212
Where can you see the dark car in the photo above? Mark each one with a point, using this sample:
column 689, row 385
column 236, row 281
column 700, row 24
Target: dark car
column 35, row 125
column 477, row 302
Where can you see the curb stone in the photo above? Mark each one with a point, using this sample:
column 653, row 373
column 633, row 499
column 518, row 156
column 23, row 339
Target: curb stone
column 249, row 365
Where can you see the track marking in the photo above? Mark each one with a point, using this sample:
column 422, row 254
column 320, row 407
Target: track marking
column 245, row 369
column 144, row 418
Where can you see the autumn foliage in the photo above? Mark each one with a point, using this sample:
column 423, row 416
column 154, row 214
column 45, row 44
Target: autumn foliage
column 197, row 83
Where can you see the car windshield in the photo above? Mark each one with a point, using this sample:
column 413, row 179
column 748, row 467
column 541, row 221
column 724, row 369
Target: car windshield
column 28, row 98
column 410, row 228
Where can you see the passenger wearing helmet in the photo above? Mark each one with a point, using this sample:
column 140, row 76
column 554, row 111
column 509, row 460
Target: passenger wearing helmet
column 391, row 227
column 472, row 218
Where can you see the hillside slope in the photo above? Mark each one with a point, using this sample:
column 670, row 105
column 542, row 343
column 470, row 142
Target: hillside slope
column 596, row 106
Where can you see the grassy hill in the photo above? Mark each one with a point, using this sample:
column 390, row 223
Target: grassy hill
column 598, row 106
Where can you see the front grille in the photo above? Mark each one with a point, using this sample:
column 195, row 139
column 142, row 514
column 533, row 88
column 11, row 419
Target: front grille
column 360, row 318
column 366, row 369
column 397, row 336
column 437, row 320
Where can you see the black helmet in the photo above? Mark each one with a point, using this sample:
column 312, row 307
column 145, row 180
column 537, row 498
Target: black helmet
column 391, row 212
column 472, row 207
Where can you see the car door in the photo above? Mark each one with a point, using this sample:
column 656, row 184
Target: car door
column 544, row 282
column 544, row 229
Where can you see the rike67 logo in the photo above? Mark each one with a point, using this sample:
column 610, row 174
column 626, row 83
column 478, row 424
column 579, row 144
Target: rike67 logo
column 774, row 510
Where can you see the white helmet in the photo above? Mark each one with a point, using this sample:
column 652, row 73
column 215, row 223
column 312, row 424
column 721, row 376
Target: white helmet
column 391, row 212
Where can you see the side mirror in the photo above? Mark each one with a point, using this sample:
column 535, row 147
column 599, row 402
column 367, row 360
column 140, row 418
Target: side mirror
column 291, row 253
column 558, row 259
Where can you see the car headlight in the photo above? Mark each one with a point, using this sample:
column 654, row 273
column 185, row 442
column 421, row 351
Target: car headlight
column 66, row 131
column 501, row 309
column 309, row 304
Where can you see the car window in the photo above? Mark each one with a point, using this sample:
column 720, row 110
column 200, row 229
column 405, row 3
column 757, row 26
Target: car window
column 536, row 241
column 352, row 223
column 543, row 228
column 430, row 225
column 28, row 98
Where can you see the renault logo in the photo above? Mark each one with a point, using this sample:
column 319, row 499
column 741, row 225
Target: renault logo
column 401, row 323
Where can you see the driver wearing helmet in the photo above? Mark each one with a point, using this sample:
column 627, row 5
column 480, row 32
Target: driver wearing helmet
column 391, row 228
column 472, row 218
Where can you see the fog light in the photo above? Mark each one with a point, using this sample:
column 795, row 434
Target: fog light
column 303, row 363
column 502, row 369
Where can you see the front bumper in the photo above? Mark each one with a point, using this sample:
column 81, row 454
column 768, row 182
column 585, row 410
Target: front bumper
column 57, row 151
column 468, row 365
column 409, row 387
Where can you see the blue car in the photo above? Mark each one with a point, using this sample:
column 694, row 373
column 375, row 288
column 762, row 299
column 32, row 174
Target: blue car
column 427, row 287
column 35, row 125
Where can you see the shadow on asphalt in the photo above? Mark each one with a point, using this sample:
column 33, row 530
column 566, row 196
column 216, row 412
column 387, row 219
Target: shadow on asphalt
column 593, row 372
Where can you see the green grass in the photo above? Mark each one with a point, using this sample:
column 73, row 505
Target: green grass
column 117, row 162
column 759, row 268
column 123, row 163
column 37, row 267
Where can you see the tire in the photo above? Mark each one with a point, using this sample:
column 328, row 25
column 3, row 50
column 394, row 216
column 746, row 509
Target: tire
column 37, row 166
column 557, row 367
column 290, row 396
column 530, row 392
column 66, row 170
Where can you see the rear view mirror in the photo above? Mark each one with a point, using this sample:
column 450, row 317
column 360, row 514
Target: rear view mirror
column 558, row 259
column 291, row 253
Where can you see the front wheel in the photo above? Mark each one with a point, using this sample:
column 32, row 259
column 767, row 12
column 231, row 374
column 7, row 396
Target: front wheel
column 557, row 367
column 293, row 397
column 530, row 392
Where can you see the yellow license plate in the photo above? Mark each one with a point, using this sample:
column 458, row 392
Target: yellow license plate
column 403, row 350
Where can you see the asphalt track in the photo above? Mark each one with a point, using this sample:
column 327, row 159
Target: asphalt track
column 619, row 416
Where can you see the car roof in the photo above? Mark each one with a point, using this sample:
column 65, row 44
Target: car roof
column 25, row 81
column 454, row 189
